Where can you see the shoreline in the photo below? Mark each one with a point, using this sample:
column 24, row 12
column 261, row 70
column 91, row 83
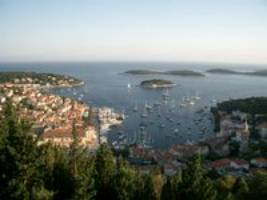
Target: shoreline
column 155, row 86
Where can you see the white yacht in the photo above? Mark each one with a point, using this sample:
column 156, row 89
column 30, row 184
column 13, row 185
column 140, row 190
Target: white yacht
column 144, row 115
column 129, row 86
column 148, row 107
column 166, row 94
column 191, row 103
column 135, row 109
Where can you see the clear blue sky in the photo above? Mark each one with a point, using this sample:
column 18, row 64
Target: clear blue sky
column 136, row 30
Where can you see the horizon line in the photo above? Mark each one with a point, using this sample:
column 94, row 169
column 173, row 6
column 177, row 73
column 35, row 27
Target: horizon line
column 134, row 61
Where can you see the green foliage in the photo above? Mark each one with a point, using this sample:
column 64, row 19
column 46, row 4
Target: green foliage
column 194, row 184
column 46, row 172
column 168, row 191
column 258, row 186
column 104, row 172
column 149, row 192
column 253, row 105
column 124, row 182
column 234, row 147
column 19, row 158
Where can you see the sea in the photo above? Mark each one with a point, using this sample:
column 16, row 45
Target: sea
column 167, row 121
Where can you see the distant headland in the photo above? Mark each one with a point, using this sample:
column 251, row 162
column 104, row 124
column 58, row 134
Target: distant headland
column 185, row 73
column 157, row 83
column 42, row 79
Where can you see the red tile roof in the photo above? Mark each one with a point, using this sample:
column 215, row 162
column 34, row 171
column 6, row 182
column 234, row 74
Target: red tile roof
column 63, row 132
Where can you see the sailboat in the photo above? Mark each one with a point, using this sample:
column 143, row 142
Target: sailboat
column 135, row 109
column 144, row 115
column 148, row 107
column 162, row 125
column 166, row 94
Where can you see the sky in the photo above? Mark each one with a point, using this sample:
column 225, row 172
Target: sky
column 134, row 30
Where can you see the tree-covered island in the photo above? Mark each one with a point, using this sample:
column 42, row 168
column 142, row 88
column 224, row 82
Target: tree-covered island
column 185, row 73
column 157, row 83
column 233, row 72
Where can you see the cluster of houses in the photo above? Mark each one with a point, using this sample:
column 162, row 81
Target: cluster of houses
column 233, row 127
column 52, row 116
column 50, row 81
column 174, row 159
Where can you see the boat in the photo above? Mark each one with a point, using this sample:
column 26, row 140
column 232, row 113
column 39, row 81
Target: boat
column 121, row 137
column 189, row 142
column 120, row 132
column 213, row 101
column 156, row 104
column 144, row 115
column 151, row 122
column 182, row 105
column 176, row 130
column 191, row 103
column 148, row 107
column 166, row 95
column 162, row 126
column 135, row 109
column 129, row 86
column 196, row 97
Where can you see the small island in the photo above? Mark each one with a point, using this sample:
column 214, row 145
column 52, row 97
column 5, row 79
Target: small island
column 142, row 72
column 157, row 83
column 222, row 71
column 233, row 72
column 185, row 73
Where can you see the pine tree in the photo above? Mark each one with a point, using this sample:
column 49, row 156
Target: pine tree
column 124, row 182
column 241, row 189
column 168, row 191
column 194, row 184
column 149, row 192
column 104, row 172
column 258, row 186
column 21, row 165
column 81, row 170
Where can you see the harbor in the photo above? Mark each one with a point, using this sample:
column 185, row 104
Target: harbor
column 160, row 117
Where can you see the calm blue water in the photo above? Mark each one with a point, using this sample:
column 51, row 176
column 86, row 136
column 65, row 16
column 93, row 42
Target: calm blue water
column 106, row 85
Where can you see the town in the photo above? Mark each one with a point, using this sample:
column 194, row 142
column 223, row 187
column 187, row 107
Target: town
column 54, row 117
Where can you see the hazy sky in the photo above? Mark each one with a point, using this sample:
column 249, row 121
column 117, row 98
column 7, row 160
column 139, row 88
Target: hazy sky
column 136, row 30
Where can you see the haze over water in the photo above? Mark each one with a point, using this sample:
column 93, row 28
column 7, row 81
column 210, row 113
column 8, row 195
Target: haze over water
column 106, row 85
